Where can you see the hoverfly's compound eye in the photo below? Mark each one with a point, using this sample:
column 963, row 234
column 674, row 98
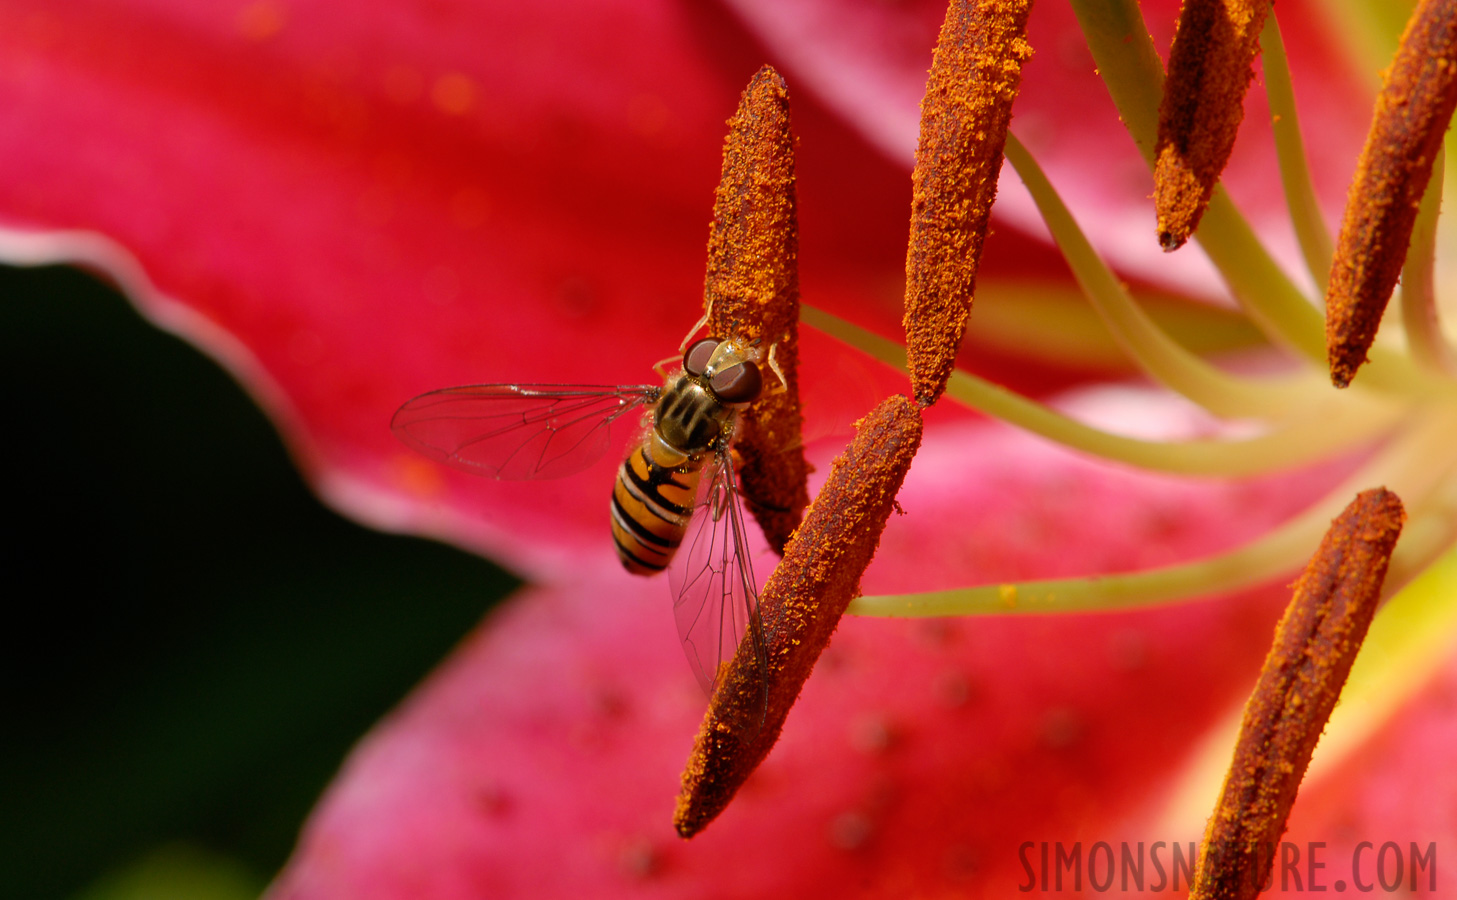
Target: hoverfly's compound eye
column 738, row 383
column 695, row 361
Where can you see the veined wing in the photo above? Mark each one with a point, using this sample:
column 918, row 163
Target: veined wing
column 518, row 432
column 715, row 600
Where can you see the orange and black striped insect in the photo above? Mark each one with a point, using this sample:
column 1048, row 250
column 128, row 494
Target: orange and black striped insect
column 678, row 487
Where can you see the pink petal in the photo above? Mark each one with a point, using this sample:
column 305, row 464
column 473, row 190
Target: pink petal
column 353, row 209
column 350, row 210
column 1400, row 788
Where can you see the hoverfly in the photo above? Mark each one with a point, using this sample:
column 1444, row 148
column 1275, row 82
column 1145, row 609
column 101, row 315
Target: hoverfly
column 678, row 486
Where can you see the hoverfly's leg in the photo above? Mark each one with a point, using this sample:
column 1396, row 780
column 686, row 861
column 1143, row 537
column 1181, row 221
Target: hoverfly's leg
column 688, row 338
column 773, row 364
column 661, row 366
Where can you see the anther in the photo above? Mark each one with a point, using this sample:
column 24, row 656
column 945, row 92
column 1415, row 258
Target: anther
column 1315, row 644
column 1211, row 64
column 1412, row 113
column 752, row 293
column 801, row 605
column 975, row 75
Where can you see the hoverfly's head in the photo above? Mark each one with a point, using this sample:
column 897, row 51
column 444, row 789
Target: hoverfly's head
column 730, row 369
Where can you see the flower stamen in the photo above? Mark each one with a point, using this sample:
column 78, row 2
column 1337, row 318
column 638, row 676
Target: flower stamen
column 1418, row 283
column 1412, row 113
column 1315, row 644
column 1416, row 462
column 802, row 603
column 1211, row 63
column 975, row 76
column 1305, row 214
column 1157, row 354
column 751, row 291
column 1130, row 68
column 1346, row 422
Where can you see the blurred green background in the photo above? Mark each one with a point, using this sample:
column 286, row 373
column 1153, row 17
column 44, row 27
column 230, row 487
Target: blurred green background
column 195, row 642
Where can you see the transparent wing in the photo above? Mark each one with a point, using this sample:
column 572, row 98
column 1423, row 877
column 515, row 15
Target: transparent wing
column 518, row 432
column 715, row 600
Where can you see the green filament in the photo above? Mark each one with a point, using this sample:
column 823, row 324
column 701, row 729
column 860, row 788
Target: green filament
column 1418, row 281
column 1158, row 354
column 1134, row 76
column 1305, row 215
column 1319, row 432
column 1413, row 466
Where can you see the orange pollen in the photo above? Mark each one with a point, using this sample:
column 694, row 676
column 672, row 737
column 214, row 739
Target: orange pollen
column 751, row 291
column 801, row 605
column 1315, row 644
column 1211, row 64
column 1412, row 112
column 975, row 76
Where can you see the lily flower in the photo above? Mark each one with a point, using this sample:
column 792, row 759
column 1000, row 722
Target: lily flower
column 1056, row 637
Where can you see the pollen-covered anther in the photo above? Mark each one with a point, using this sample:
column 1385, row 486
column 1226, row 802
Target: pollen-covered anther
column 1211, row 63
column 975, row 76
column 1412, row 113
column 801, row 605
column 1315, row 644
column 751, row 291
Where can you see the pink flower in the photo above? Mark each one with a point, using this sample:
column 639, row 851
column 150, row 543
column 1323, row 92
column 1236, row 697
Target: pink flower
column 350, row 209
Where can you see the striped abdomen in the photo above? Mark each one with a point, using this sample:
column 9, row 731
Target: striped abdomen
column 652, row 503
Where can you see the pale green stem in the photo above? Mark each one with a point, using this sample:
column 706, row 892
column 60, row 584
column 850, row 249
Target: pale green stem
column 1266, row 295
column 1129, row 66
column 1318, row 435
column 1418, row 282
column 1046, row 321
column 1369, row 32
column 1414, row 465
column 1305, row 214
column 1446, row 238
column 1155, row 352
column 1134, row 76
column 1330, row 424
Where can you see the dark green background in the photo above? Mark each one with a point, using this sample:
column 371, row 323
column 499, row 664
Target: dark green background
column 193, row 641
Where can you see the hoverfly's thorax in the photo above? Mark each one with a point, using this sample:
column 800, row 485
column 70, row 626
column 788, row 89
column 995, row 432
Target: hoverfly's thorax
column 689, row 418
column 698, row 408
